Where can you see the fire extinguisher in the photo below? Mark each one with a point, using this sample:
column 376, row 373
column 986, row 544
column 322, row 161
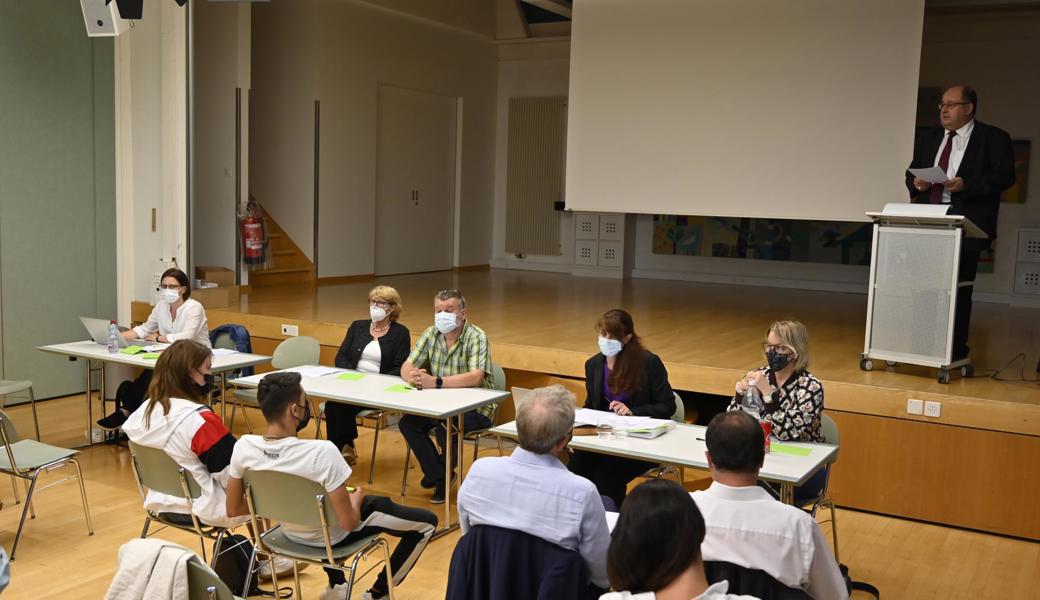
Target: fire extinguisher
column 254, row 241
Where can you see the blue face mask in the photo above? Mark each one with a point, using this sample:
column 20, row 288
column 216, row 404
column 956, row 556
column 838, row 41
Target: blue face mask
column 445, row 322
column 609, row 347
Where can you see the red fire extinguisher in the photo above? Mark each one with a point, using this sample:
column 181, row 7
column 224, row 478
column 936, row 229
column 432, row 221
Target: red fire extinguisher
column 254, row 241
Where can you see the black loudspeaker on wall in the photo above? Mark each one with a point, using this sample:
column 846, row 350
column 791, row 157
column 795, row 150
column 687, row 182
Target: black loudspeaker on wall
column 101, row 19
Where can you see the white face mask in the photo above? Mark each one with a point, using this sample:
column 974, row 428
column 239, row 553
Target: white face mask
column 609, row 347
column 445, row 322
column 170, row 296
column 377, row 314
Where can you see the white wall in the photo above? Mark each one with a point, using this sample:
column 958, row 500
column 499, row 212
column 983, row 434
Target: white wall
column 221, row 40
column 338, row 51
column 996, row 54
column 528, row 69
column 151, row 149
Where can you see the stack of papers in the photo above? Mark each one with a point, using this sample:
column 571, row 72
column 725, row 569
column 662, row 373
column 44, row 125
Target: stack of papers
column 313, row 371
column 223, row 351
column 641, row 427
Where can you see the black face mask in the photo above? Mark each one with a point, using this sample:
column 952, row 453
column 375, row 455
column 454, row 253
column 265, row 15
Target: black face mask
column 206, row 388
column 306, row 417
column 776, row 360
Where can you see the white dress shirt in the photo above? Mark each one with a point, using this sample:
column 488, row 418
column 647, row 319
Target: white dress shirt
column 749, row 528
column 716, row 591
column 960, row 143
column 371, row 357
column 536, row 494
column 190, row 323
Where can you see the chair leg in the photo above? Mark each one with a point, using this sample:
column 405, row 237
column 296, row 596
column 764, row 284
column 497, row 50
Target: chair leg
column 25, row 510
column 499, row 438
column 274, row 577
column 249, row 573
column 404, row 473
column 36, row 421
column 834, row 531
column 83, row 496
column 317, row 425
column 147, row 524
column 234, row 409
column 14, row 486
column 476, row 445
column 389, row 571
column 221, row 535
column 296, row 578
column 375, row 446
column 28, row 501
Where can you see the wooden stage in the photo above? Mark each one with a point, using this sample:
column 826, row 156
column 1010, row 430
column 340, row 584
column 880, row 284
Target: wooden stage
column 980, row 453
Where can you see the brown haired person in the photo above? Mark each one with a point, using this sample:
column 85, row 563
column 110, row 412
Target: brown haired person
column 627, row 379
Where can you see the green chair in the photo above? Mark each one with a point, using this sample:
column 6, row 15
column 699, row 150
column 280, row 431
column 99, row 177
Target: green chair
column 829, row 429
column 293, row 352
column 498, row 378
column 156, row 471
column 12, row 386
column 204, row 584
column 293, row 499
column 26, row 459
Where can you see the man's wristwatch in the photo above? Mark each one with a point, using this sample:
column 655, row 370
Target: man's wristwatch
column 440, row 382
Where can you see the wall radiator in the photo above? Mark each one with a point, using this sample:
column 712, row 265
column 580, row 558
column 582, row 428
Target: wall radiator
column 534, row 174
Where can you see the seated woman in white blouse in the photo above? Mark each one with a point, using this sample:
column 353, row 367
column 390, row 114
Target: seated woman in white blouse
column 175, row 317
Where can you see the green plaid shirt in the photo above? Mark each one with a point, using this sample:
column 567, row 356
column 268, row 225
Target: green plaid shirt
column 471, row 351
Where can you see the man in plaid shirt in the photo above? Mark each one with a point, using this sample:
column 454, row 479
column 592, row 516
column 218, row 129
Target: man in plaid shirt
column 451, row 353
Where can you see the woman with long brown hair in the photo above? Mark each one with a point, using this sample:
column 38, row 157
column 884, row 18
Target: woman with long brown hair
column 175, row 420
column 627, row 379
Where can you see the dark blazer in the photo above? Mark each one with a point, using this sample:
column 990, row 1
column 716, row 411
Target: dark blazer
column 653, row 398
column 492, row 563
column 393, row 346
column 987, row 168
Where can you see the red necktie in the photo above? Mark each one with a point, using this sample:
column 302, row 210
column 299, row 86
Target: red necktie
column 944, row 163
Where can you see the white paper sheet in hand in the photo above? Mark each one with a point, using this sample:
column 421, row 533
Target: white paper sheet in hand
column 931, row 174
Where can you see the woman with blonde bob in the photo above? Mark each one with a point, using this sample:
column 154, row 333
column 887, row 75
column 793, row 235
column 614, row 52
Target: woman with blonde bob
column 378, row 344
column 175, row 420
column 792, row 396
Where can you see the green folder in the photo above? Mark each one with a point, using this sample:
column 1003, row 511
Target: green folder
column 132, row 350
column 348, row 376
column 150, row 355
column 792, row 450
column 400, row 387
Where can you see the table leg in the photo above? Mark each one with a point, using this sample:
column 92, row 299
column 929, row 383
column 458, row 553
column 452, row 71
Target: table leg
column 90, row 409
column 223, row 396
column 787, row 493
column 448, row 447
column 462, row 455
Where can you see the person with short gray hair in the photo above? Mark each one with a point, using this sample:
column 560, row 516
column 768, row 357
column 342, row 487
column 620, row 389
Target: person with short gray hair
column 533, row 492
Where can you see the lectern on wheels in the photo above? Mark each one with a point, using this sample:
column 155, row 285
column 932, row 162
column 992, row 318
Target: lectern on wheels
column 913, row 287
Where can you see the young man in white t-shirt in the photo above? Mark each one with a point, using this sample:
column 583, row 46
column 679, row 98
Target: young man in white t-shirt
column 287, row 410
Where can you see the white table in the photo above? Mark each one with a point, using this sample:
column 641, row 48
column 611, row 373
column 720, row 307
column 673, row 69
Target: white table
column 684, row 446
column 97, row 355
column 371, row 392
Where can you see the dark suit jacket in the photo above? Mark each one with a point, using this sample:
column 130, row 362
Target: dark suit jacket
column 653, row 398
column 393, row 347
column 987, row 168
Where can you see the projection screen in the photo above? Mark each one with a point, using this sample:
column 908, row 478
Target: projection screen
column 796, row 109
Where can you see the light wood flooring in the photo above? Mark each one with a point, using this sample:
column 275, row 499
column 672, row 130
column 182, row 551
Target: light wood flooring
column 56, row 559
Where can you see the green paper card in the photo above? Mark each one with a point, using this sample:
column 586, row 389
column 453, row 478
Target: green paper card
column 400, row 387
column 350, row 376
column 132, row 350
column 150, row 355
column 792, row 450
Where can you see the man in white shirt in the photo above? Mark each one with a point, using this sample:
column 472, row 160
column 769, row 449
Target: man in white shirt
column 287, row 410
column 748, row 527
column 532, row 491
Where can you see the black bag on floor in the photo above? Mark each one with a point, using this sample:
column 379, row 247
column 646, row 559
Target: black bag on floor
column 857, row 586
column 233, row 563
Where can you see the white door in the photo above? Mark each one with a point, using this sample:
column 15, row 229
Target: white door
column 415, row 181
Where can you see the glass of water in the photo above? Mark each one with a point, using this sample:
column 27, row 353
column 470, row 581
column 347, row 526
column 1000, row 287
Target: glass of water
column 605, row 429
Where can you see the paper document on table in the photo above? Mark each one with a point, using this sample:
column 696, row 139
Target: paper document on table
column 612, row 520
column 156, row 347
column 931, row 174
column 587, row 416
column 313, row 371
column 223, row 351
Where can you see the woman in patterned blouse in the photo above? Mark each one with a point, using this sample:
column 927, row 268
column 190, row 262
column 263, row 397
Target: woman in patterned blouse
column 793, row 397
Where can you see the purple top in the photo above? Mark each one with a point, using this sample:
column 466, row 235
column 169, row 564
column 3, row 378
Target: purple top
column 610, row 396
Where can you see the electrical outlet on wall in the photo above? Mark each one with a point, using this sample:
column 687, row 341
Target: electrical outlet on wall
column 914, row 407
column 932, row 409
column 290, row 330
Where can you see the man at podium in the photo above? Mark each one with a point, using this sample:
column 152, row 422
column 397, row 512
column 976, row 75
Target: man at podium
column 979, row 164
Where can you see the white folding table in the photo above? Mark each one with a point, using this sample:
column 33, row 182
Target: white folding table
column 96, row 356
column 375, row 391
column 683, row 446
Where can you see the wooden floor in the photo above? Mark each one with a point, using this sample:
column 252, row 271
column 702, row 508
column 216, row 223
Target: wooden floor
column 56, row 558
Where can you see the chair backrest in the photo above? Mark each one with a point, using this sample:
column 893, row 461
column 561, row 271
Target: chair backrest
column 224, row 341
column 829, row 429
column 10, row 432
column 289, row 498
column 158, row 472
column 751, row 582
column 498, row 377
column 679, row 416
column 296, row 352
column 204, row 584
column 493, row 562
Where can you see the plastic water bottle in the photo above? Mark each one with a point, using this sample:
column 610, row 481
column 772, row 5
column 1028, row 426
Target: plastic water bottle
column 113, row 337
column 754, row 406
